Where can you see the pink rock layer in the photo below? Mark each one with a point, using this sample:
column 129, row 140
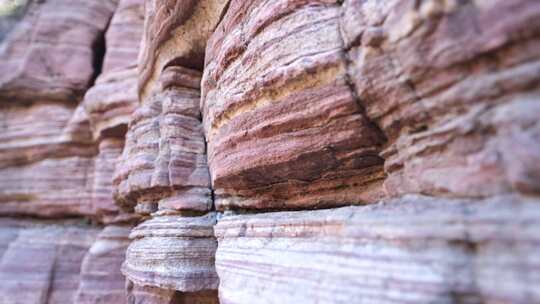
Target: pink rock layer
column 101, row 279
column 41, row 261
column 453, row 85
column 409, row 250
column 284, row 128
column 50, row 52
column 163, row 165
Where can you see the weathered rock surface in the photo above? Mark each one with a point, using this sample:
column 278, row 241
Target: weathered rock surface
column 57, row 158
column 101, row 278
column 46, row 150
column 175, row 34
column 163, row 165
column 411, row 250
column 50, row 53
column 253, row 107
column 41, row 261
column 163, row 172
column 152, row 295
column 113, row 97
column 173, row 252
column 454, row 86
column 284, row 128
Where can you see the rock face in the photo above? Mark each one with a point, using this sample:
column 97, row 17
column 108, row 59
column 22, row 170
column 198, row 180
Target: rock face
column 453, row 86
column 173, row 252
column 51, row 52
column 58, row 149
column 101, row 278
column 190, row 142
column 163, row 174
column 410, row 250
column 41, row 261
column 284, row 128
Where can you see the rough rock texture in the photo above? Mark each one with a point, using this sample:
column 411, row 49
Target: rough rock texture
column 101, row 278
column 58, row 151
column 41, row 260
column 164, row 163
column 454, row 86
column 46, row 150
column 284, row 128
column 50, row 53
column 163, row 173
column 192, row 160
column 113, row 97
column 173, row 252
column 410, row 250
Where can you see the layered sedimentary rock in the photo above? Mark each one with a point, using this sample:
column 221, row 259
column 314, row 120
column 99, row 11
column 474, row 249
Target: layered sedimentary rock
column 50, row 52
column 58, row 152
column 173, row 252
column 411, row 250
column 242, row 117
column 41, row 261
column 163, row 165
column 163, row 174
column 46, row 151
column 101, row 278
column 110, row 102
column 284, row 129
column 113, row 97
column 454, row 86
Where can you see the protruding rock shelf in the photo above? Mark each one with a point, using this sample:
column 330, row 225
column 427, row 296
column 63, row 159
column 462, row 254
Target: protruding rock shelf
column 283, row 126
column 173, row 252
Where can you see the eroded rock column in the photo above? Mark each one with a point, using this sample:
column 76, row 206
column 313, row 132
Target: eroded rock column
column 163, row 175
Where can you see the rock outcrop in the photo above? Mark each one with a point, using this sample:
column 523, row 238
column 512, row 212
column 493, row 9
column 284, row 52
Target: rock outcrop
column 284, row 128
column 59, row 145
column 410, row 250
column 453, row 85
column 41, row 261
column 269, row 151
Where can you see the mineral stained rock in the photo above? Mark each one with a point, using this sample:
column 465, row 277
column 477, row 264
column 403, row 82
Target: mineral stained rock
column 283, row 126
column 454, row 87
column 410, row 250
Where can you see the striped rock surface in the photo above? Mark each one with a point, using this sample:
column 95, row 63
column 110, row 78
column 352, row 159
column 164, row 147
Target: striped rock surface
column 410, row 250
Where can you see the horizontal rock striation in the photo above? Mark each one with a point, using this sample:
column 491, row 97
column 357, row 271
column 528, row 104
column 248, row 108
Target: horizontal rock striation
column 173, row 252
column 409, row 250
column 46, row 149
column 163, row 173
column 284, row 129
column 163, row 165
column 41, row 261
column 154, row 295
column 453, row 85
column 112, row 99
column 50, row 51
column 101, row 280
column 56, row 157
